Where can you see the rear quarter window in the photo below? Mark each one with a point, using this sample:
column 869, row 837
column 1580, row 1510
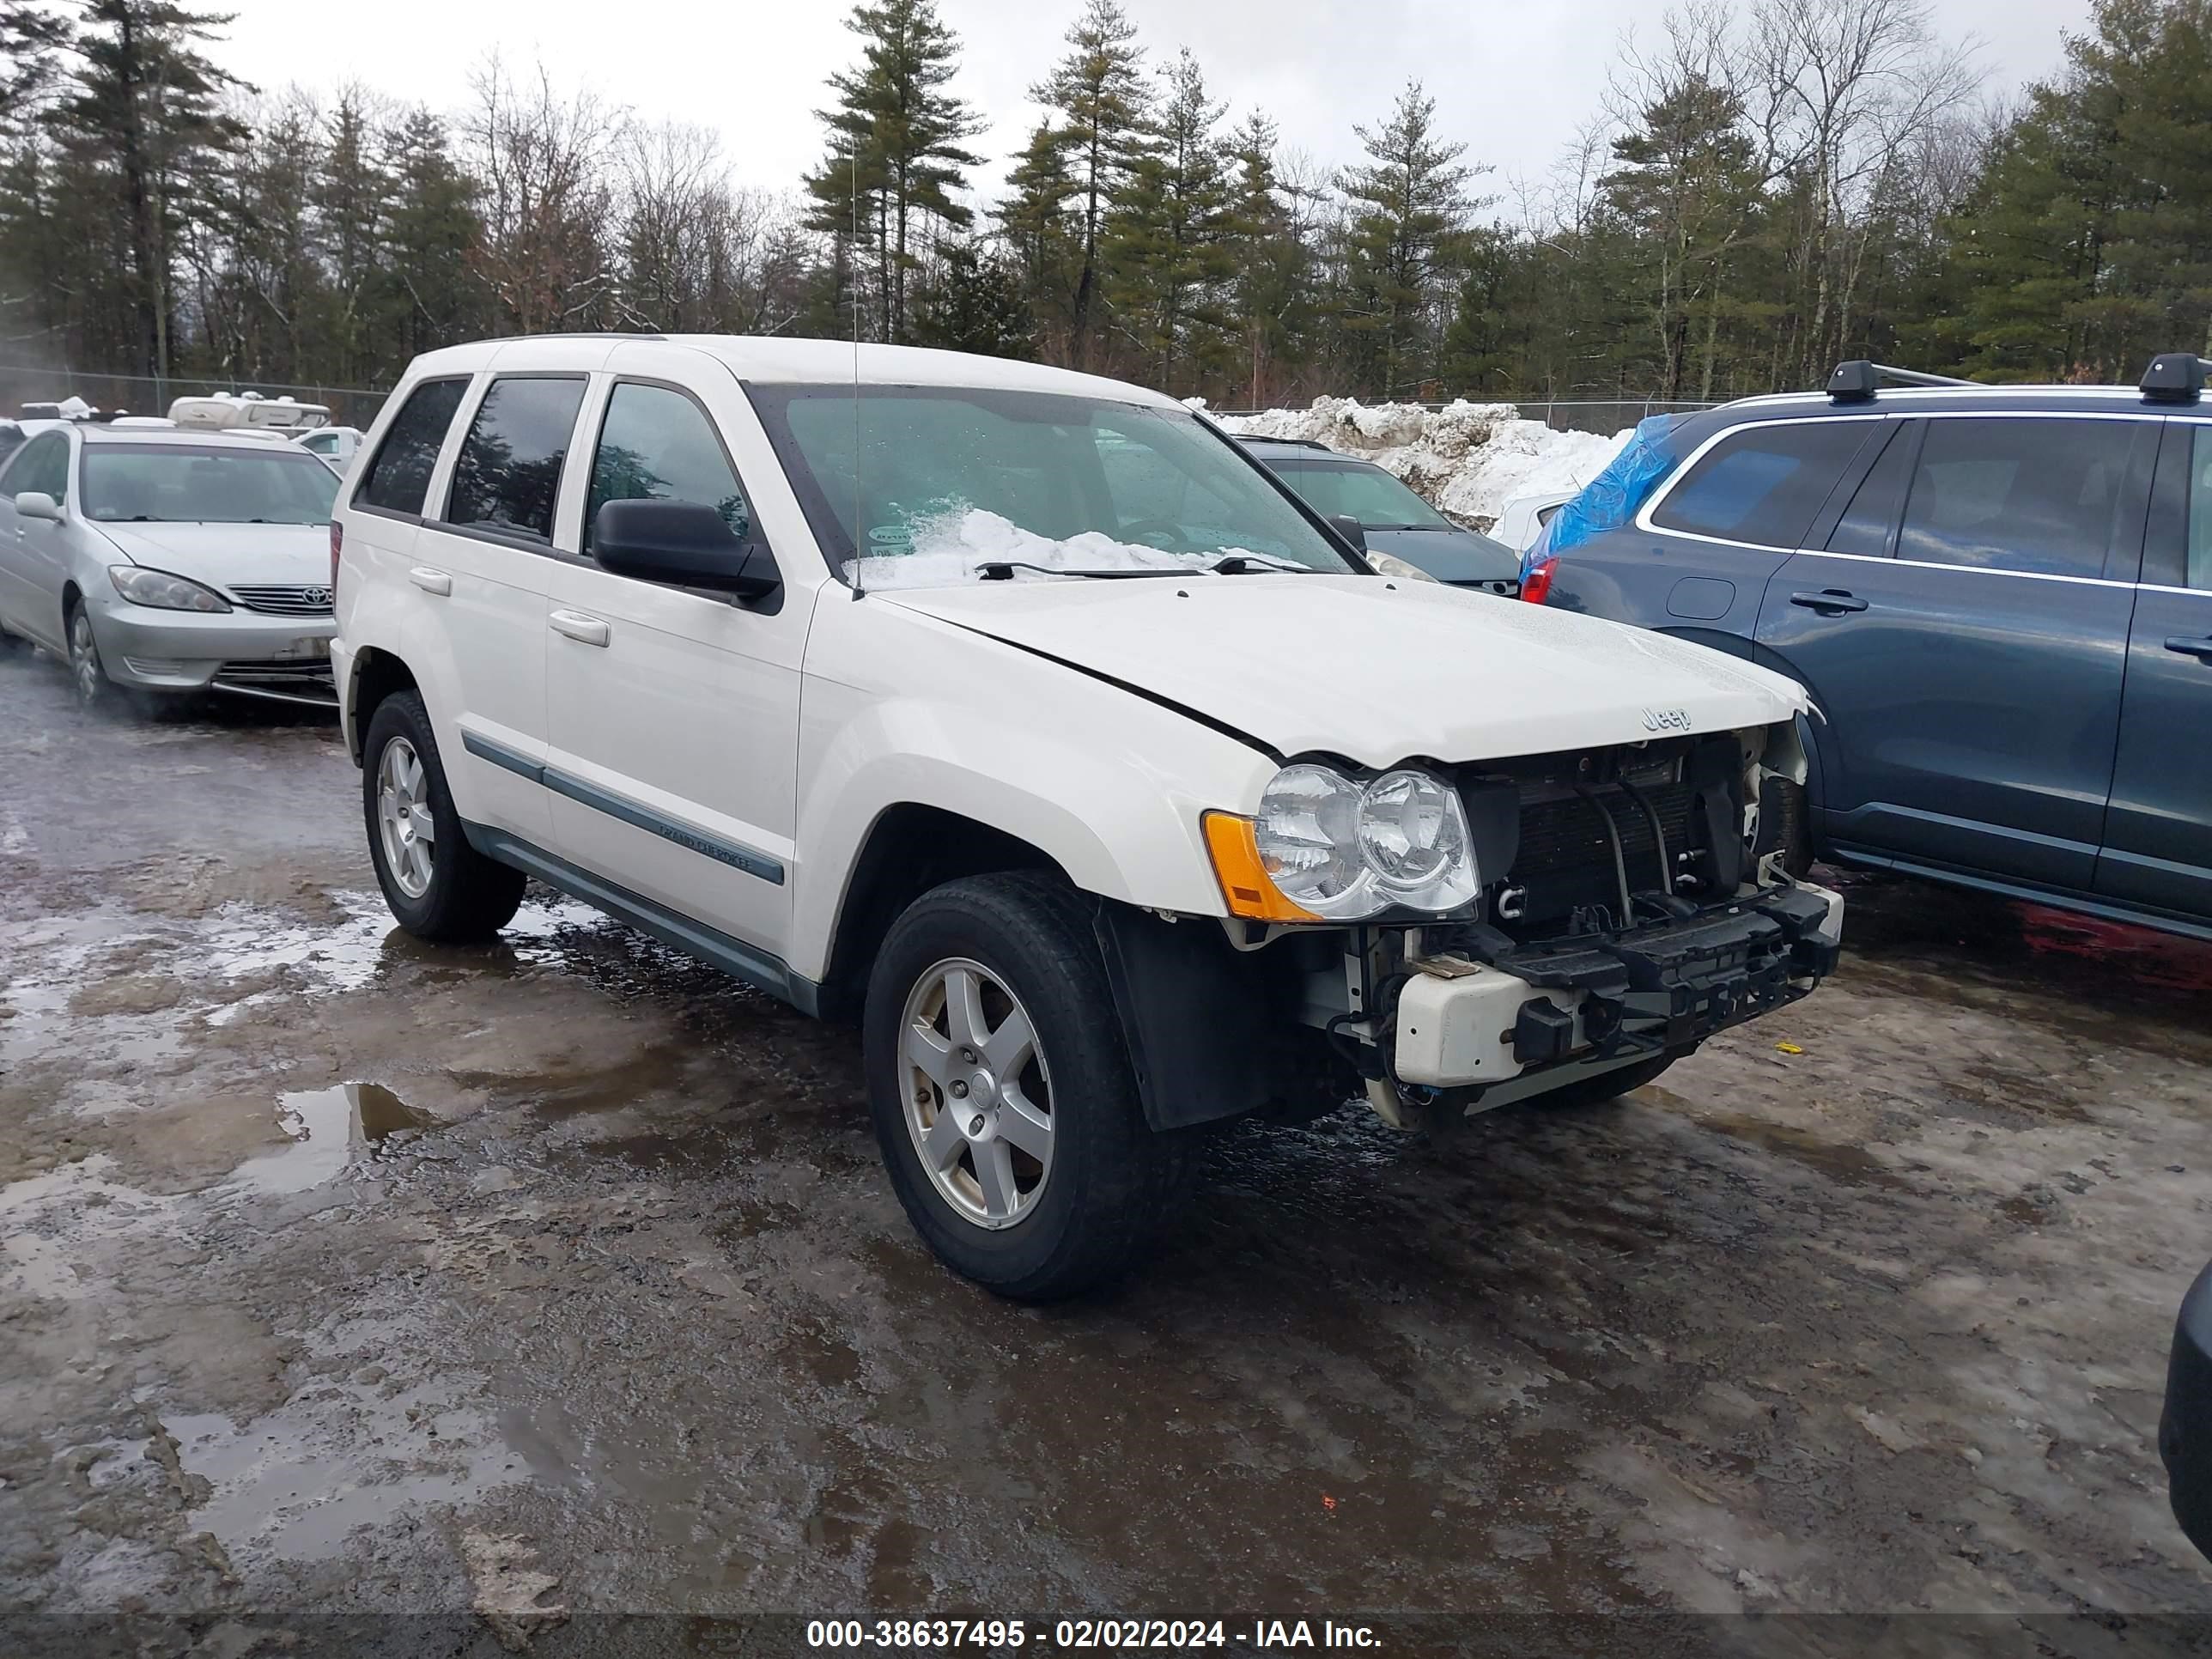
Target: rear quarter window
column 397, row 476
column 1763, row 485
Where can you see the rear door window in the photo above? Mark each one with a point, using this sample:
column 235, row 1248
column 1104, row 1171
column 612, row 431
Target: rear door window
column 1866, row 524
column 2032, row 494
column 1763, row 485
column 398, row 477
column 508, row 474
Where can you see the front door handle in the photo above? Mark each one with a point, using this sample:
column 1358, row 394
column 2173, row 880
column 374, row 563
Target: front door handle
column 1829, row 601
column 2200, row 649
column 575, row 625
column 431, row 582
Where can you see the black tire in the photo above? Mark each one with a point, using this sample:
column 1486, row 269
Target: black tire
column 469, row 898
column 1113, row 1181
column 88, row 673
column 1606, row 1086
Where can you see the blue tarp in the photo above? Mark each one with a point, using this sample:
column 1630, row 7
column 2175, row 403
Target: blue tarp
column 1610, row 500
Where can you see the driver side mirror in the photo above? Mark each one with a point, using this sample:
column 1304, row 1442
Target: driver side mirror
column 1351, row 529
column 683, row 545
column 37, row 504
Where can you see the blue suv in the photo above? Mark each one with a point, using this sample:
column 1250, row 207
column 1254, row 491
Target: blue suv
column 1999, row 596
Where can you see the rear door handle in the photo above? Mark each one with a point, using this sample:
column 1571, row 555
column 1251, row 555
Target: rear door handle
column 575, row 625
column 1829, row 602
column 431, row 582
column 2200, row 649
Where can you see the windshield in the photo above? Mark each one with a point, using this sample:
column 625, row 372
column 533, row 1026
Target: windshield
column 1369, row 493
column 956, row 484
column 182, row 484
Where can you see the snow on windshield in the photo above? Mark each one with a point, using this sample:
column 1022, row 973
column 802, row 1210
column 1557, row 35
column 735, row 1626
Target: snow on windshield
column 950, row 548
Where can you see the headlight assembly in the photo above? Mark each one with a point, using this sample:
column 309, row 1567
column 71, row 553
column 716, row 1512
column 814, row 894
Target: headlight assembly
column 162, row 591
column 1337, row 850
column 1389, row 564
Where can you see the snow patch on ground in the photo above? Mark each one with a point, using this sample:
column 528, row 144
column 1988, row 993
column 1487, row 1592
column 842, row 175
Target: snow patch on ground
column 1467, row 459
column 951, row 548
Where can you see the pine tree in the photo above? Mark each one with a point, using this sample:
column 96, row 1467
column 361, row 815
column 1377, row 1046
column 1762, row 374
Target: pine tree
column 143, row 109
column 1033, row 217
column 1168, row 251
column 895, row 161
column 2087, row 245
column 432, row 232
column 352, row 196
column 1098, row 91
column 1410, row 213
column 31, row 40
column 1272, row 299
column 973, row 302
column 1685, row 191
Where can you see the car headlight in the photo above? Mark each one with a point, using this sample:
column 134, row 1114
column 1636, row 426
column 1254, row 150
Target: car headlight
column 162, row 591
column 1389, row 564
column 1344, row 852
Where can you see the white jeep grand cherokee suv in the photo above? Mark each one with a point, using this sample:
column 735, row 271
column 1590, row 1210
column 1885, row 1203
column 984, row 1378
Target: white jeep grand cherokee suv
column 1020, row 714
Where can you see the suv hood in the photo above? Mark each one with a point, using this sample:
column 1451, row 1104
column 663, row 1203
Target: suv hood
column 221, row 554
column 1373, row 670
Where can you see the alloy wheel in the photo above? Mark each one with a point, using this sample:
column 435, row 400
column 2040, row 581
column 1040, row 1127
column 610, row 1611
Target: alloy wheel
column 404, row 819
column 977, row 1093
column 84, row 659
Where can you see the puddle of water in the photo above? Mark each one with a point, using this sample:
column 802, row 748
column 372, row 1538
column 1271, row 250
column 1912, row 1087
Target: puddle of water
column 298, row 1480
column 333, row 1130
column 55, row 1227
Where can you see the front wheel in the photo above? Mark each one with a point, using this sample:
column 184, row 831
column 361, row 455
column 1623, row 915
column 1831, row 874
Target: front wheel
column 438, row 886
column 1002, row 1093
column 88, row 674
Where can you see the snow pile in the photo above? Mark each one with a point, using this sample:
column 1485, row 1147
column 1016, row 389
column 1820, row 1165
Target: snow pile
column 950, row 548
column 1467, row 459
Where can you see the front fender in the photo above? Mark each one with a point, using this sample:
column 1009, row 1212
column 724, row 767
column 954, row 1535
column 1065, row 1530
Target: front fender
column 1109, row 786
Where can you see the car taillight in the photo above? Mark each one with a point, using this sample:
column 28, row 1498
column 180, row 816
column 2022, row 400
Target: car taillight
column 1536, row 580
column 337, row 540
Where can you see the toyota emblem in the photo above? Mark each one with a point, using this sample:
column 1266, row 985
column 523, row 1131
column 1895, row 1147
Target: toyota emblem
column 316, row 595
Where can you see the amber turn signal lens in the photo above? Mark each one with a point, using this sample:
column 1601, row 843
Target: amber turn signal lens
column 1243, row 878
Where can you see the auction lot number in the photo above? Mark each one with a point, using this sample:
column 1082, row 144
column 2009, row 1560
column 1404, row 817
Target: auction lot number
column 1013, row 1633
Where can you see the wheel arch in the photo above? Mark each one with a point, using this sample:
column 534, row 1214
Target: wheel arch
column 910, row 848
column 377, row 674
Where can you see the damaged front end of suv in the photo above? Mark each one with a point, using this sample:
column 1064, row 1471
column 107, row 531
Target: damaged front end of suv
column 1462, row 935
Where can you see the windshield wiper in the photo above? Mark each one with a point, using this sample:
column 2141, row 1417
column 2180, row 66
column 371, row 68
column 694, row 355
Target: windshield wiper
column 1236, row 564
column 1002, row 570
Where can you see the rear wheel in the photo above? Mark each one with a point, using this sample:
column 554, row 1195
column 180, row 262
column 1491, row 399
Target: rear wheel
column 438, row 886
column 1002, row 1094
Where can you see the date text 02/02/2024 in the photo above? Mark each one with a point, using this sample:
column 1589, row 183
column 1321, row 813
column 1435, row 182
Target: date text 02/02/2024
column 999, row 1634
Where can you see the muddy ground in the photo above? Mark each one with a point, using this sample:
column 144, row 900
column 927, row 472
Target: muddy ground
column 536, row 1284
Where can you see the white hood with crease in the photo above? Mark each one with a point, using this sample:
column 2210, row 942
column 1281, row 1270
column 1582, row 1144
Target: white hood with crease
column 1375, row 671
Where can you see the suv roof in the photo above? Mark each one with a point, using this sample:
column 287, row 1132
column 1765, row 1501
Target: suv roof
column 780, row 361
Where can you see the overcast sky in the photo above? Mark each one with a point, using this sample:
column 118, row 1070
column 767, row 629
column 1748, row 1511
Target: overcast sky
column 1512, row 78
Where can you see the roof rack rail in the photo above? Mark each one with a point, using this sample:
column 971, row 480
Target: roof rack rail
column 1300, row 443
column 1854, row 382
column 2174, row 377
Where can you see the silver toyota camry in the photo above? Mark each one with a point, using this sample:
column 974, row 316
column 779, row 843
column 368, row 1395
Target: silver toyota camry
column 159, row 563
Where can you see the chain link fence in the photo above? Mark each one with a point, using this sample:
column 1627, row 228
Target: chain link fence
column 144, row 394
